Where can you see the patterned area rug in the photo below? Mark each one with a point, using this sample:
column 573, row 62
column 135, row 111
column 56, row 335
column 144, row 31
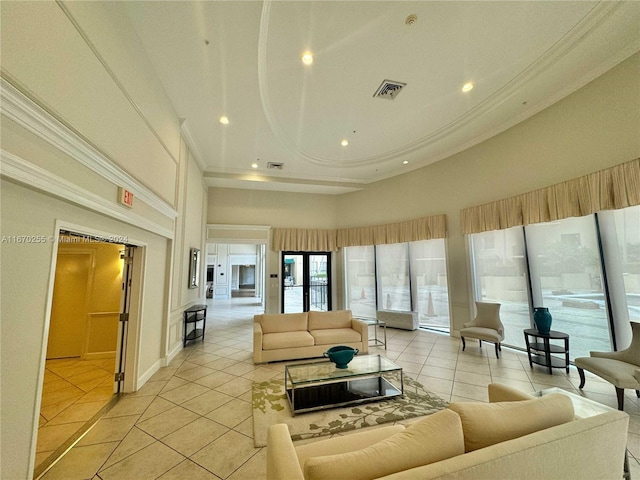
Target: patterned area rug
column 270, row 406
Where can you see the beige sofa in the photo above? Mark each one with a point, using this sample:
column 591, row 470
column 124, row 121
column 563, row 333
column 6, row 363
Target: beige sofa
column 532, row 438
column 289, row 336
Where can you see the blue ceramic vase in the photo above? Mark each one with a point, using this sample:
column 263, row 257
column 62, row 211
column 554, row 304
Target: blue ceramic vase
column 542, row 319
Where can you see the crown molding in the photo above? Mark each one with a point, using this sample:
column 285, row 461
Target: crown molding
column 28, row 114
column 192, row 144
column 26, row 173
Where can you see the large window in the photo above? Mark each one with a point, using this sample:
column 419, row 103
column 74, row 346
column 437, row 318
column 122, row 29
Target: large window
column 566, row 277
column 562, row 268
column 402, row 276
column 392, row 263
column 500, row 277
column 360, row 275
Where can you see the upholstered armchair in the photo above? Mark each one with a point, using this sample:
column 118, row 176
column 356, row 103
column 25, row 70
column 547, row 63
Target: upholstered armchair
column 621, row 368
column 486, row 326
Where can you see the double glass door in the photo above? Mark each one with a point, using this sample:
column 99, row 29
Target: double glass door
column 306, row 281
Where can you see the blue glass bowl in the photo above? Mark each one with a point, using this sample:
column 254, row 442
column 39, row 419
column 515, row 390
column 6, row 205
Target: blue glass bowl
column 341, row 355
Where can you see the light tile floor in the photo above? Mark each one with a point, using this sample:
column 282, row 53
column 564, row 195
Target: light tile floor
column 192, row 419
column 74, row 391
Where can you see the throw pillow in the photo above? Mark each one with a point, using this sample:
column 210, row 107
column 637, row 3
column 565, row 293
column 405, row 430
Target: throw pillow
column 486, row 424
column 435, row 438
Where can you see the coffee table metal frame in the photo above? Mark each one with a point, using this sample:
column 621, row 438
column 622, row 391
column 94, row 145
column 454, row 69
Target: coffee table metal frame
column 362, row 372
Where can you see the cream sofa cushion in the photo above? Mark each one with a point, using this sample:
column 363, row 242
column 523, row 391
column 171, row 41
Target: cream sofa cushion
column 432, row 439
column 486, row 424
column 284, row 322
column 335, row 336
column 275, row 341
column 331, row 319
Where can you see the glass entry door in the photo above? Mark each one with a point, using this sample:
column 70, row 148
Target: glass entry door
column 306, row 281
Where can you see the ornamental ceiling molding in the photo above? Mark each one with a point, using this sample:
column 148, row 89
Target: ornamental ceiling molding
column 542, row 64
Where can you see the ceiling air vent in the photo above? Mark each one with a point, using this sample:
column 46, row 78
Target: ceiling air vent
column 275, row 166
column 389, row 89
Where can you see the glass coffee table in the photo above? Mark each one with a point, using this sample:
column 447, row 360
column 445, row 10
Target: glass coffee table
column 320, row 385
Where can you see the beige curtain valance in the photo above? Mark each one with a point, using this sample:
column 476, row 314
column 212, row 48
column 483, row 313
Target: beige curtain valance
column 303, row 240
column 612, row 188
column 425, row 228
column 316, row 240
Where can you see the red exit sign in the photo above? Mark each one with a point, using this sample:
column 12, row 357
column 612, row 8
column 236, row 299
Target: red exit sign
column 125, row 197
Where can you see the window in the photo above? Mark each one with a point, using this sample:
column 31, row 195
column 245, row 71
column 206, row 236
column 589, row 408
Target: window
column 499, row 276
column 562, row 268
column 392, row 264
column 360, row 273
column 430, row 294
column 402, row 276
column 566, row 277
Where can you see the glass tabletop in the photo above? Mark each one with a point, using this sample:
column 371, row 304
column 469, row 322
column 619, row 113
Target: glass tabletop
column 324, row 371
column 582, row 407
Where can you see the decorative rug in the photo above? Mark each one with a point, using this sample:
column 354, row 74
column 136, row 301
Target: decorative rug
column 270, row 406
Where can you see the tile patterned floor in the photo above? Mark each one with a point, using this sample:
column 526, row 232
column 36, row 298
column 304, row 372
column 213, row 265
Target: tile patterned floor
column 73, row 392
column 192, row 419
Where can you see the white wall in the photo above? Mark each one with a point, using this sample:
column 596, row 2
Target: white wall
column 83, row 113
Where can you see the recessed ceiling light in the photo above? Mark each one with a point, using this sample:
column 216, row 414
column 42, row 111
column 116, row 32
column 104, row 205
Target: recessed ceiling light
column 467, row 87
column 254, row 165
column 224, row 120
column 344, row 142
column 406, row 162
column 307, row 58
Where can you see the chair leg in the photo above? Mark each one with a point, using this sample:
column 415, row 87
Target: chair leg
column 497, row 348
column 582, row 379
column 638, row 393
column 464, row 345
column 480, row 343
column 620, row 393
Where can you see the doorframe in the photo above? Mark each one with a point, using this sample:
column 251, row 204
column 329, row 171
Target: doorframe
column 135, row 313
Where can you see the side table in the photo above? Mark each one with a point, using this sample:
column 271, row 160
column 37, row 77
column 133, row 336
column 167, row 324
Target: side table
column 376, row 323
column 193, row 316
column 540, row 352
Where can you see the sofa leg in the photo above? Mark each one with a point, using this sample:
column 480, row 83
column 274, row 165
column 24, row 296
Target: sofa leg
column 638, row 393
column 582, row 379
column 464, row 345
column 497, row 348
column 620, row 393
column 480, row 343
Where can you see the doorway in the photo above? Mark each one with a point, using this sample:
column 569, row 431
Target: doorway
column 306, row 281
column 86, row 342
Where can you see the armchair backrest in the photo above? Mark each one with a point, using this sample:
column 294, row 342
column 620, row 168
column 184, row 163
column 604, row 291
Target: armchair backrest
column 631, row 354
column 488, row 316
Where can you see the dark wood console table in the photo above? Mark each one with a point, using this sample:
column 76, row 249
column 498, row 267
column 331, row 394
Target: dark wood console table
column 541, row 352
column 192, row 317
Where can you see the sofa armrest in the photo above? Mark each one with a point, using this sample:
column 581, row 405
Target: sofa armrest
column 257, row 342
column 363, row 329
column 504, row 393
column 282, row 461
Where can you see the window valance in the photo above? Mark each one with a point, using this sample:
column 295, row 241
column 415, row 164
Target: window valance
column 317, row 240
column 612, row 188
column 425, row 228
column 303, row 240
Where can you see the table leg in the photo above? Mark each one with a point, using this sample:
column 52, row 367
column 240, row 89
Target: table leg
column 547, row 354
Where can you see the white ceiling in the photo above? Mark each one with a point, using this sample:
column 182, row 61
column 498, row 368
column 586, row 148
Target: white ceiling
column 242, row 59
